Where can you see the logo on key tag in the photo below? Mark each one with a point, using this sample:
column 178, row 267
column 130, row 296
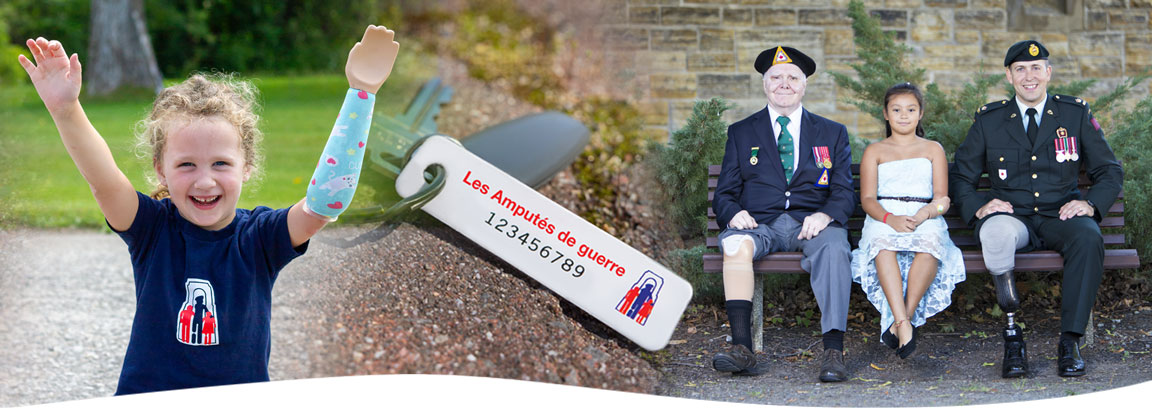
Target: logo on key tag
column 638, row 303
column 580, row 262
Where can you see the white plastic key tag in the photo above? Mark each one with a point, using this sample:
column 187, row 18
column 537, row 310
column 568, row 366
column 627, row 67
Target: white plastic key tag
column 605, row 277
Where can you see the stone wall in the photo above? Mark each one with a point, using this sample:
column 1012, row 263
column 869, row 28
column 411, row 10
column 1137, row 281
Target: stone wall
column 670, row 53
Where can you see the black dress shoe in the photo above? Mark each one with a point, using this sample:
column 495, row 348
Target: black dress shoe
column 908, row 348
column 1070, row 364
column 738, row 360
column 832, row 366
column 889, row 339
column 1015, row 354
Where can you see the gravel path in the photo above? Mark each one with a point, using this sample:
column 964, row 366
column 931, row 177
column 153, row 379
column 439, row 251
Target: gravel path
column 417, row 300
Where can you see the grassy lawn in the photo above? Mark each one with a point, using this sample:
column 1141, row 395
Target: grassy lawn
column 41, row 187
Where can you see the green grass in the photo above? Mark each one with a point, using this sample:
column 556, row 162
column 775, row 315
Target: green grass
column 41, row 187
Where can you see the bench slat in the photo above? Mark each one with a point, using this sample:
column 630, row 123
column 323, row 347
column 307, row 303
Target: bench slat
column 953, row 224
column 789, row 262
column 959, row 240
column 1117, row 208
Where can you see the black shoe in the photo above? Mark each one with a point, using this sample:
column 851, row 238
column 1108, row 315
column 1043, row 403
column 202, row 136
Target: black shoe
column 907, row 349
column 1015, row 354
column 1070, row 364
column 832, row 367
column 889, row 339
column 738, row 360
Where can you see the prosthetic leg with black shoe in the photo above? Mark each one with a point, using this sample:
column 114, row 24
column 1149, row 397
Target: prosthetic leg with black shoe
column 1001, row 236
column 1015, row 351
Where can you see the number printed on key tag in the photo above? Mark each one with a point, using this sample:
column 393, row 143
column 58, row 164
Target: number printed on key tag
column 605, row 277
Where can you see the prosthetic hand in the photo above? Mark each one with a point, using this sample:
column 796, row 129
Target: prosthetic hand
column 334, row 182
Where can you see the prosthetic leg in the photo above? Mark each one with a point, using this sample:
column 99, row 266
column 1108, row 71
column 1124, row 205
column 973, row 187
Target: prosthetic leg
column 1015, row 351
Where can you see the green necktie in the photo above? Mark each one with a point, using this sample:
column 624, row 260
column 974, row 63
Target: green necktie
column 784, row 145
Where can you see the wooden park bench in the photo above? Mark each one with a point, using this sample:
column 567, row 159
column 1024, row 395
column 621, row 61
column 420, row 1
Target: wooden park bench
column 1111, row 225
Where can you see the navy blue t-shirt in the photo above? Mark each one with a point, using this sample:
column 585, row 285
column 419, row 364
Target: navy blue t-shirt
column 203, row 298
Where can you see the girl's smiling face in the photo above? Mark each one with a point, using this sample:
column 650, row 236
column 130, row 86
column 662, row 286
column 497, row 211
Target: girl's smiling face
column 903, row 113
column 203, row 166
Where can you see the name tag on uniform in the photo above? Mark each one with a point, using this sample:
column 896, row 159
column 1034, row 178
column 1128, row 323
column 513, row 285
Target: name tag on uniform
column 613, row 282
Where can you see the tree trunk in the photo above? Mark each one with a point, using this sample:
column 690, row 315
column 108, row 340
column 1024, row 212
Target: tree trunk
column 120, row 52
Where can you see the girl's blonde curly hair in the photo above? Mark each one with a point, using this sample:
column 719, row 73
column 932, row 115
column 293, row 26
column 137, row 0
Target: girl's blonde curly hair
column 202, row 96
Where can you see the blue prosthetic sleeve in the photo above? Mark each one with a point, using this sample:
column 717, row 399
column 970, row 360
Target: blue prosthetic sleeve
column 334, row 182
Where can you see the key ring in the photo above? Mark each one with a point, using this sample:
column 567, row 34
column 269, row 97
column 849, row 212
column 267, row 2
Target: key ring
column 410, row 203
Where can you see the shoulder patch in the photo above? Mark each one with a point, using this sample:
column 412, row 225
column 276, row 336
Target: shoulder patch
column 992, row 106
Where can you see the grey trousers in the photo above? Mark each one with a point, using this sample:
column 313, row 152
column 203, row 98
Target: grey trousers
column 826, row 259
column 1000, row 237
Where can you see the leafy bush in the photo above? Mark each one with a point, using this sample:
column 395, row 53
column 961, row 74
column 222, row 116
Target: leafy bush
column 1130, row 135
column 10, row 69
column 681, row 165
column 681, row 168
column 228, row 35
column 63, row 20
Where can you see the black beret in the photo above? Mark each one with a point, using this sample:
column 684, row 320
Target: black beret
column 784, row 55
column 1030, row 50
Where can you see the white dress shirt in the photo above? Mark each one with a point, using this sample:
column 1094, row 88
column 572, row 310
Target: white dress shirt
column 1024, row 108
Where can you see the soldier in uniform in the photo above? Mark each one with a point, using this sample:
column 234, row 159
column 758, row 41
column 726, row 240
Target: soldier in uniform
column 785, row 185
column 1033, row 146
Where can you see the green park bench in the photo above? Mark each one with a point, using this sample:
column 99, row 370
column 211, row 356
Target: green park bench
column 1115, row 257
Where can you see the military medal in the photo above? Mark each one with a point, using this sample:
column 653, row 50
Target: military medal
column 1062, row 145
column 1072, row 146
column 823, row 161
column 754, row 160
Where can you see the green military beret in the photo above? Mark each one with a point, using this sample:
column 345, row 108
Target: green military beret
column 1030, row 50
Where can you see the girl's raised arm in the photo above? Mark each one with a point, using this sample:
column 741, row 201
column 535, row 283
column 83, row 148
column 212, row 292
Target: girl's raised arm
column 332, row 185
column 57, row 80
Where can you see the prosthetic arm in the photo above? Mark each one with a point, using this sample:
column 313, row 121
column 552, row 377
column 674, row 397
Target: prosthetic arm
column 338, row 170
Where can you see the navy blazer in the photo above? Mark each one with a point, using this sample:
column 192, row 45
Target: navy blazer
column 761, row 188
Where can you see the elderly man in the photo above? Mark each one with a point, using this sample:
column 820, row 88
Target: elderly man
column 1033, row 146
column 785, row 185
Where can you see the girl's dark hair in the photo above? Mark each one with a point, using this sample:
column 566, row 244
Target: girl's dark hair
column 905, row 88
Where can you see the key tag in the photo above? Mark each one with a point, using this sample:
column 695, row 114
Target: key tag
column 613, row 282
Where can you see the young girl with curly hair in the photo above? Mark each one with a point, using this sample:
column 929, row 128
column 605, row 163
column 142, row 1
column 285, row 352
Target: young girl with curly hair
column 203, row 268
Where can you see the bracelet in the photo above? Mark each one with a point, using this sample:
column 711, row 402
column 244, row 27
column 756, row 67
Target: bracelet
column 885, row 220
column 940, row 208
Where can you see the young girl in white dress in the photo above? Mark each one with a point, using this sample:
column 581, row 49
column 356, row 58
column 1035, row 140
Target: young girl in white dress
column 906, row 263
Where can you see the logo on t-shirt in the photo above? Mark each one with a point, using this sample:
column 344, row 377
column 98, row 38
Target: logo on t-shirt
column 196, row 321
column 637, row 304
